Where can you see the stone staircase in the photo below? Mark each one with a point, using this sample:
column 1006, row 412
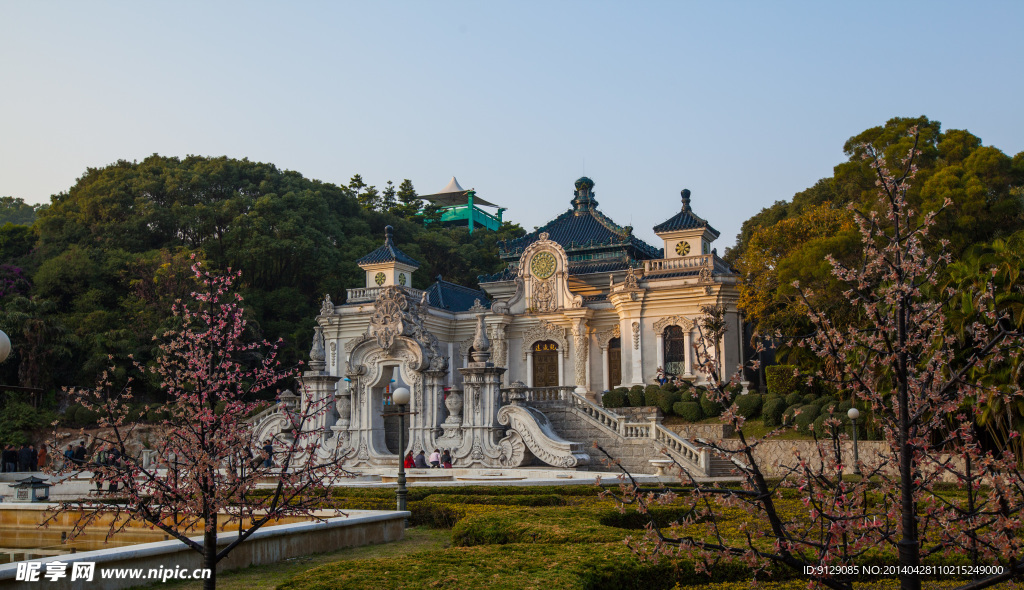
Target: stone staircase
column 633, row 441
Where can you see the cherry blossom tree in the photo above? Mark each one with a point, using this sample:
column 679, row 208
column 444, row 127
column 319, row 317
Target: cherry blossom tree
column 210, row 465
column 922, row 385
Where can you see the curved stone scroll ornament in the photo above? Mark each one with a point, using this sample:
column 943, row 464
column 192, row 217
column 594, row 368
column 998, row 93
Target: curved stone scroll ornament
column 539, row 437
column 545, row 330
column 685, row 323
column 512, row 451
column 505, row 307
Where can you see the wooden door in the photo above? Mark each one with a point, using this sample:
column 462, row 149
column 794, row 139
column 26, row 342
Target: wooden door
column 614, row 363
column 545, row 364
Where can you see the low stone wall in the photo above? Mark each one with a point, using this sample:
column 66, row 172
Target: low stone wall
column 772, row 455
column 268, row 545
column 704, row 431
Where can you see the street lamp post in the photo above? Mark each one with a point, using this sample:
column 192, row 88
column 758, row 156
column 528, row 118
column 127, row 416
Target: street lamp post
column 854, row 413
column 400, row 397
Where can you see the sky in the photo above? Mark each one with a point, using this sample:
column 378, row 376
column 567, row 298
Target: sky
column 744, row 103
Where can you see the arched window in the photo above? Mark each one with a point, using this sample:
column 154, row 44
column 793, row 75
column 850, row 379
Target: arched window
column 545, row 364
column 675, row 350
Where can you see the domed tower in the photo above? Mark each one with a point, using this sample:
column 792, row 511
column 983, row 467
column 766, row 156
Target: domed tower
column 686, row 234
column 388, row 265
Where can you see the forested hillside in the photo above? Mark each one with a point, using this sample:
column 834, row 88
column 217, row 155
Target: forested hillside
column 981, row 228
column 94, row 274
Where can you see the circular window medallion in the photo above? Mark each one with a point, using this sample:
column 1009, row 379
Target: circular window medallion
column 379, row 279
column 683, row 248
column 401, row 279
column 543, row 265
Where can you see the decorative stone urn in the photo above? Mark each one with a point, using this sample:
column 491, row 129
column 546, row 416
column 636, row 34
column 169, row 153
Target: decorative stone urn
column 453, row 423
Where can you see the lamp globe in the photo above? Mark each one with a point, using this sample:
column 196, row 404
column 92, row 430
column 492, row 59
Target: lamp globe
column 853, row 413
column 5, row 347
column 400, row 396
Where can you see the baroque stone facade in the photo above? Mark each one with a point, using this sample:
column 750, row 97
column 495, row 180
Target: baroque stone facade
column 582, row 305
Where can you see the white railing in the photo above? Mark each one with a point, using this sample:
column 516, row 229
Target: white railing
column 682, row 448
column 364, row 294
column 684, row 263
column 537, row 394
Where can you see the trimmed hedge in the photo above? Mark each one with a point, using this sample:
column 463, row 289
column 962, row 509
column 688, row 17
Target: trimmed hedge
column 749, row 405
column 794, row 399
column 689, row 411
column 809, row 399
column 772, row 411
column 651, row 395
column 666, row 399
column 781, row 379
column 710, row 408
column 636, row 396
column 807, row 415
column 615, row 398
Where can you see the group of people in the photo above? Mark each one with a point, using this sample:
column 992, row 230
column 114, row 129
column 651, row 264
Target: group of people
column 27, row 458
column 437, row 460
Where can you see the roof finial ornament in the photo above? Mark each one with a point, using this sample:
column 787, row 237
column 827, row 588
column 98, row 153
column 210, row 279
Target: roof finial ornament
column 686, row 199
column 583, row 196
column 389, row 234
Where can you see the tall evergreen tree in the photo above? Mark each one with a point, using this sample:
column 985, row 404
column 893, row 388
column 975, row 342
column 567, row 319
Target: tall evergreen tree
column 409, row 201
column 387, row 198
column 369, row 199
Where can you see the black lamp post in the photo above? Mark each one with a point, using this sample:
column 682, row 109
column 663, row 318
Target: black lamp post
column 854, row 413
column 400, row 397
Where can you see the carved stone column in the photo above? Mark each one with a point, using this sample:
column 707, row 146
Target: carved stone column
column 318, row 388
column 581, row 350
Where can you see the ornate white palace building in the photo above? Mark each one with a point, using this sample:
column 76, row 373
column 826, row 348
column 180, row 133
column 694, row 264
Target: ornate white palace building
column 583, row 306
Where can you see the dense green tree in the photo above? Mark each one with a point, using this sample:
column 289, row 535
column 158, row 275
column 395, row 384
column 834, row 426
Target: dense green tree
column 387, row 198
column 408, row 201
column 16, row 242
column 17, row 211
column 782, row 244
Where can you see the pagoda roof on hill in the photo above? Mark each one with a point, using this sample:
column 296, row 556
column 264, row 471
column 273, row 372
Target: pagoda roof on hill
column 388, row 252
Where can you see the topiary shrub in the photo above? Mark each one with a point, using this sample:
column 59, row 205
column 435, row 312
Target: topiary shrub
column 667, row 399
column 651, row 395
column 749, row 405
column 793, row 399
column 710, row 408
column 826, row 432
column 787, row 416
column 809, row 399
column 782, row 379
column 772, row 411
column 70, row 413
column 614, row 398
column 636, row 396
column 770, row 396
column 807, row 415
column 824, row 400
column 689, row 411
column 670, row 387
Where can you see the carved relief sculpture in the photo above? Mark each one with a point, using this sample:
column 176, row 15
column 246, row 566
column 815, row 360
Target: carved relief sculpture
column 636, row 335
column 581, row 344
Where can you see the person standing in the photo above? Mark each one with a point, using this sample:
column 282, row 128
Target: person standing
column 80, row 454
column 25, row 456
column 33, row 458
column 10, row 459
column 268, row 454
column 69, row 457
column 43, row 458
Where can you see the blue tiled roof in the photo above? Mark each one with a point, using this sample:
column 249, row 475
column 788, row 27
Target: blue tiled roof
column 506, row 274
column 685, row 219
column 575, row 230
column 388, row 252
column 456, row 298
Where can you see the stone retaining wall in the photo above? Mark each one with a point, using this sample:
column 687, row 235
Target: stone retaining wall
column 704, row 431
column 267, row 545
column 772, row 455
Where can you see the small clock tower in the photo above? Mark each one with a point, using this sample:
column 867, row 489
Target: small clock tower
column 388, row 265
column 686, row 234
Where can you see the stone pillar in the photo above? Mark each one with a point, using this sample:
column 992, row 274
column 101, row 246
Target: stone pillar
column 529, row 368
column 660, row 351
column 451, row 355
column 318, row 387
column 561, row 368
column 638, row 359
column 481, row 402
column 581, row 352
column 688, row 353
column 605, row 370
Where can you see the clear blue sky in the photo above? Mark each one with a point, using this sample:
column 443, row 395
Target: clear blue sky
column 744, row 103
